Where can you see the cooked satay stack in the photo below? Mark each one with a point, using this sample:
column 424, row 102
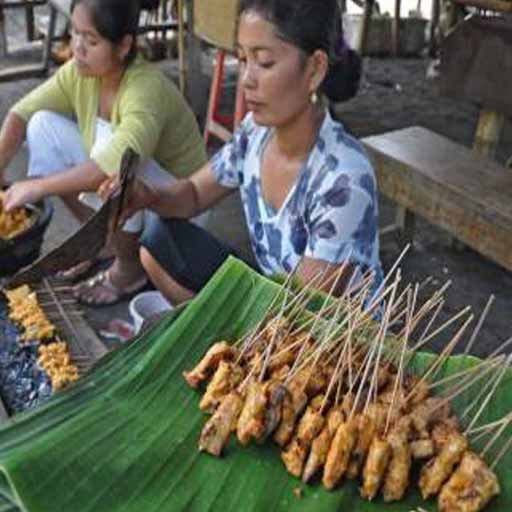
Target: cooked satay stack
column 53, row 353
column 336, row 394
column 13, row 223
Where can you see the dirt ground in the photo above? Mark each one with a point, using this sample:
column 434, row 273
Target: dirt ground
column 394, row 94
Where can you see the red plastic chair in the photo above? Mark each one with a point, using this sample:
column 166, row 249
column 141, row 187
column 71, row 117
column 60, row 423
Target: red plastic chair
column 222, row 126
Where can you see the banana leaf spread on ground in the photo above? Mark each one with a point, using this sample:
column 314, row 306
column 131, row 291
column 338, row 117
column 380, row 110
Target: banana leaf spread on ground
column 124, row 436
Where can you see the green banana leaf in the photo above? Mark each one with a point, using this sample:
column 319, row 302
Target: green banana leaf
column 124, row 438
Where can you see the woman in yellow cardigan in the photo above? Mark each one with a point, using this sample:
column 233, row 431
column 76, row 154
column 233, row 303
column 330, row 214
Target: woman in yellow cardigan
column 79, row 122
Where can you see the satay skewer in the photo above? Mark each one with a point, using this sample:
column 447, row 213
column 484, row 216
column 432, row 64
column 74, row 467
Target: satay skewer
column 506, row 447
column 496, row 436
column 479, row 324
column 428, row 305
column 444, row 326
column 398, row 379
column 482, row 392
column 491, row 393
column 462, row 387
column 462, row 373
column 382, row 338
column 439, row 361
column 484, row 430
column 247, row 341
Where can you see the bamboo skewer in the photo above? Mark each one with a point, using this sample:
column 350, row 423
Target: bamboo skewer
column 496, row 436
column 490, row 395
column 444, row 354
column 481, row 321
column 501, row 453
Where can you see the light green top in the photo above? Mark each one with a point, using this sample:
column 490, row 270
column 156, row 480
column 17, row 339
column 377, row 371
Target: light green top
column 149, row 115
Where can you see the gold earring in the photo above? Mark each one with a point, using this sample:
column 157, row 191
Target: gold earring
column 314, row 98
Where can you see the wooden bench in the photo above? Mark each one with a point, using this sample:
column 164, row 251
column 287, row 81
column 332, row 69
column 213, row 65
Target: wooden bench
column 460, row 189
column 449, row 185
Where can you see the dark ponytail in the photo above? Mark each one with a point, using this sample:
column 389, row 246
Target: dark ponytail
column 312, row 25
column 115, row 19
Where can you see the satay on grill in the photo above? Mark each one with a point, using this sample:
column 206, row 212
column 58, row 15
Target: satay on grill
column 55, row 360
column 471, row 486
column 24, row 309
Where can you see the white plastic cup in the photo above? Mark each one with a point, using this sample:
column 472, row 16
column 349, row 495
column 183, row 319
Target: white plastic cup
column 145, row 305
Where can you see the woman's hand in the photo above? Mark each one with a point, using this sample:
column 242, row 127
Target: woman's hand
column 22, row 193
column 139, row 196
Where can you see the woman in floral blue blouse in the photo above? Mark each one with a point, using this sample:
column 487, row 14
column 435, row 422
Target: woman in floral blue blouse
column 307, row 187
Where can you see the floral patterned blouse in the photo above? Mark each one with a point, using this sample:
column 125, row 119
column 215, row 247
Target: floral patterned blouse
column 330, row 213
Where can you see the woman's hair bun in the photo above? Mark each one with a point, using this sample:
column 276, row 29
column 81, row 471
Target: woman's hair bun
column 343, row 77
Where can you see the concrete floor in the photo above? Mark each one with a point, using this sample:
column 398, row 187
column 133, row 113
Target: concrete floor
column 381, row 105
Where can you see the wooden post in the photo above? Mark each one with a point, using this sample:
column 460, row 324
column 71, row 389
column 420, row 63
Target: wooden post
column 197, row 95
column 29, row 20
column 3, row 34
column 47, row 50
column 365, row 27
column 488, row 132
column 395, row 43
column 434, row 22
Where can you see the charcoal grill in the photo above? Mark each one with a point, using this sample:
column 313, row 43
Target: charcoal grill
column 23, row 384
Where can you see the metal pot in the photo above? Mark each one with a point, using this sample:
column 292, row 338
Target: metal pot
column 24, row 248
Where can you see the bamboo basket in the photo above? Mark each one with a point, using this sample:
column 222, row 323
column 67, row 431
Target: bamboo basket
column 215, row 21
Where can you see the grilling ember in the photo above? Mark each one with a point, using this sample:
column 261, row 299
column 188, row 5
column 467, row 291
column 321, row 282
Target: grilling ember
column 344, row 403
